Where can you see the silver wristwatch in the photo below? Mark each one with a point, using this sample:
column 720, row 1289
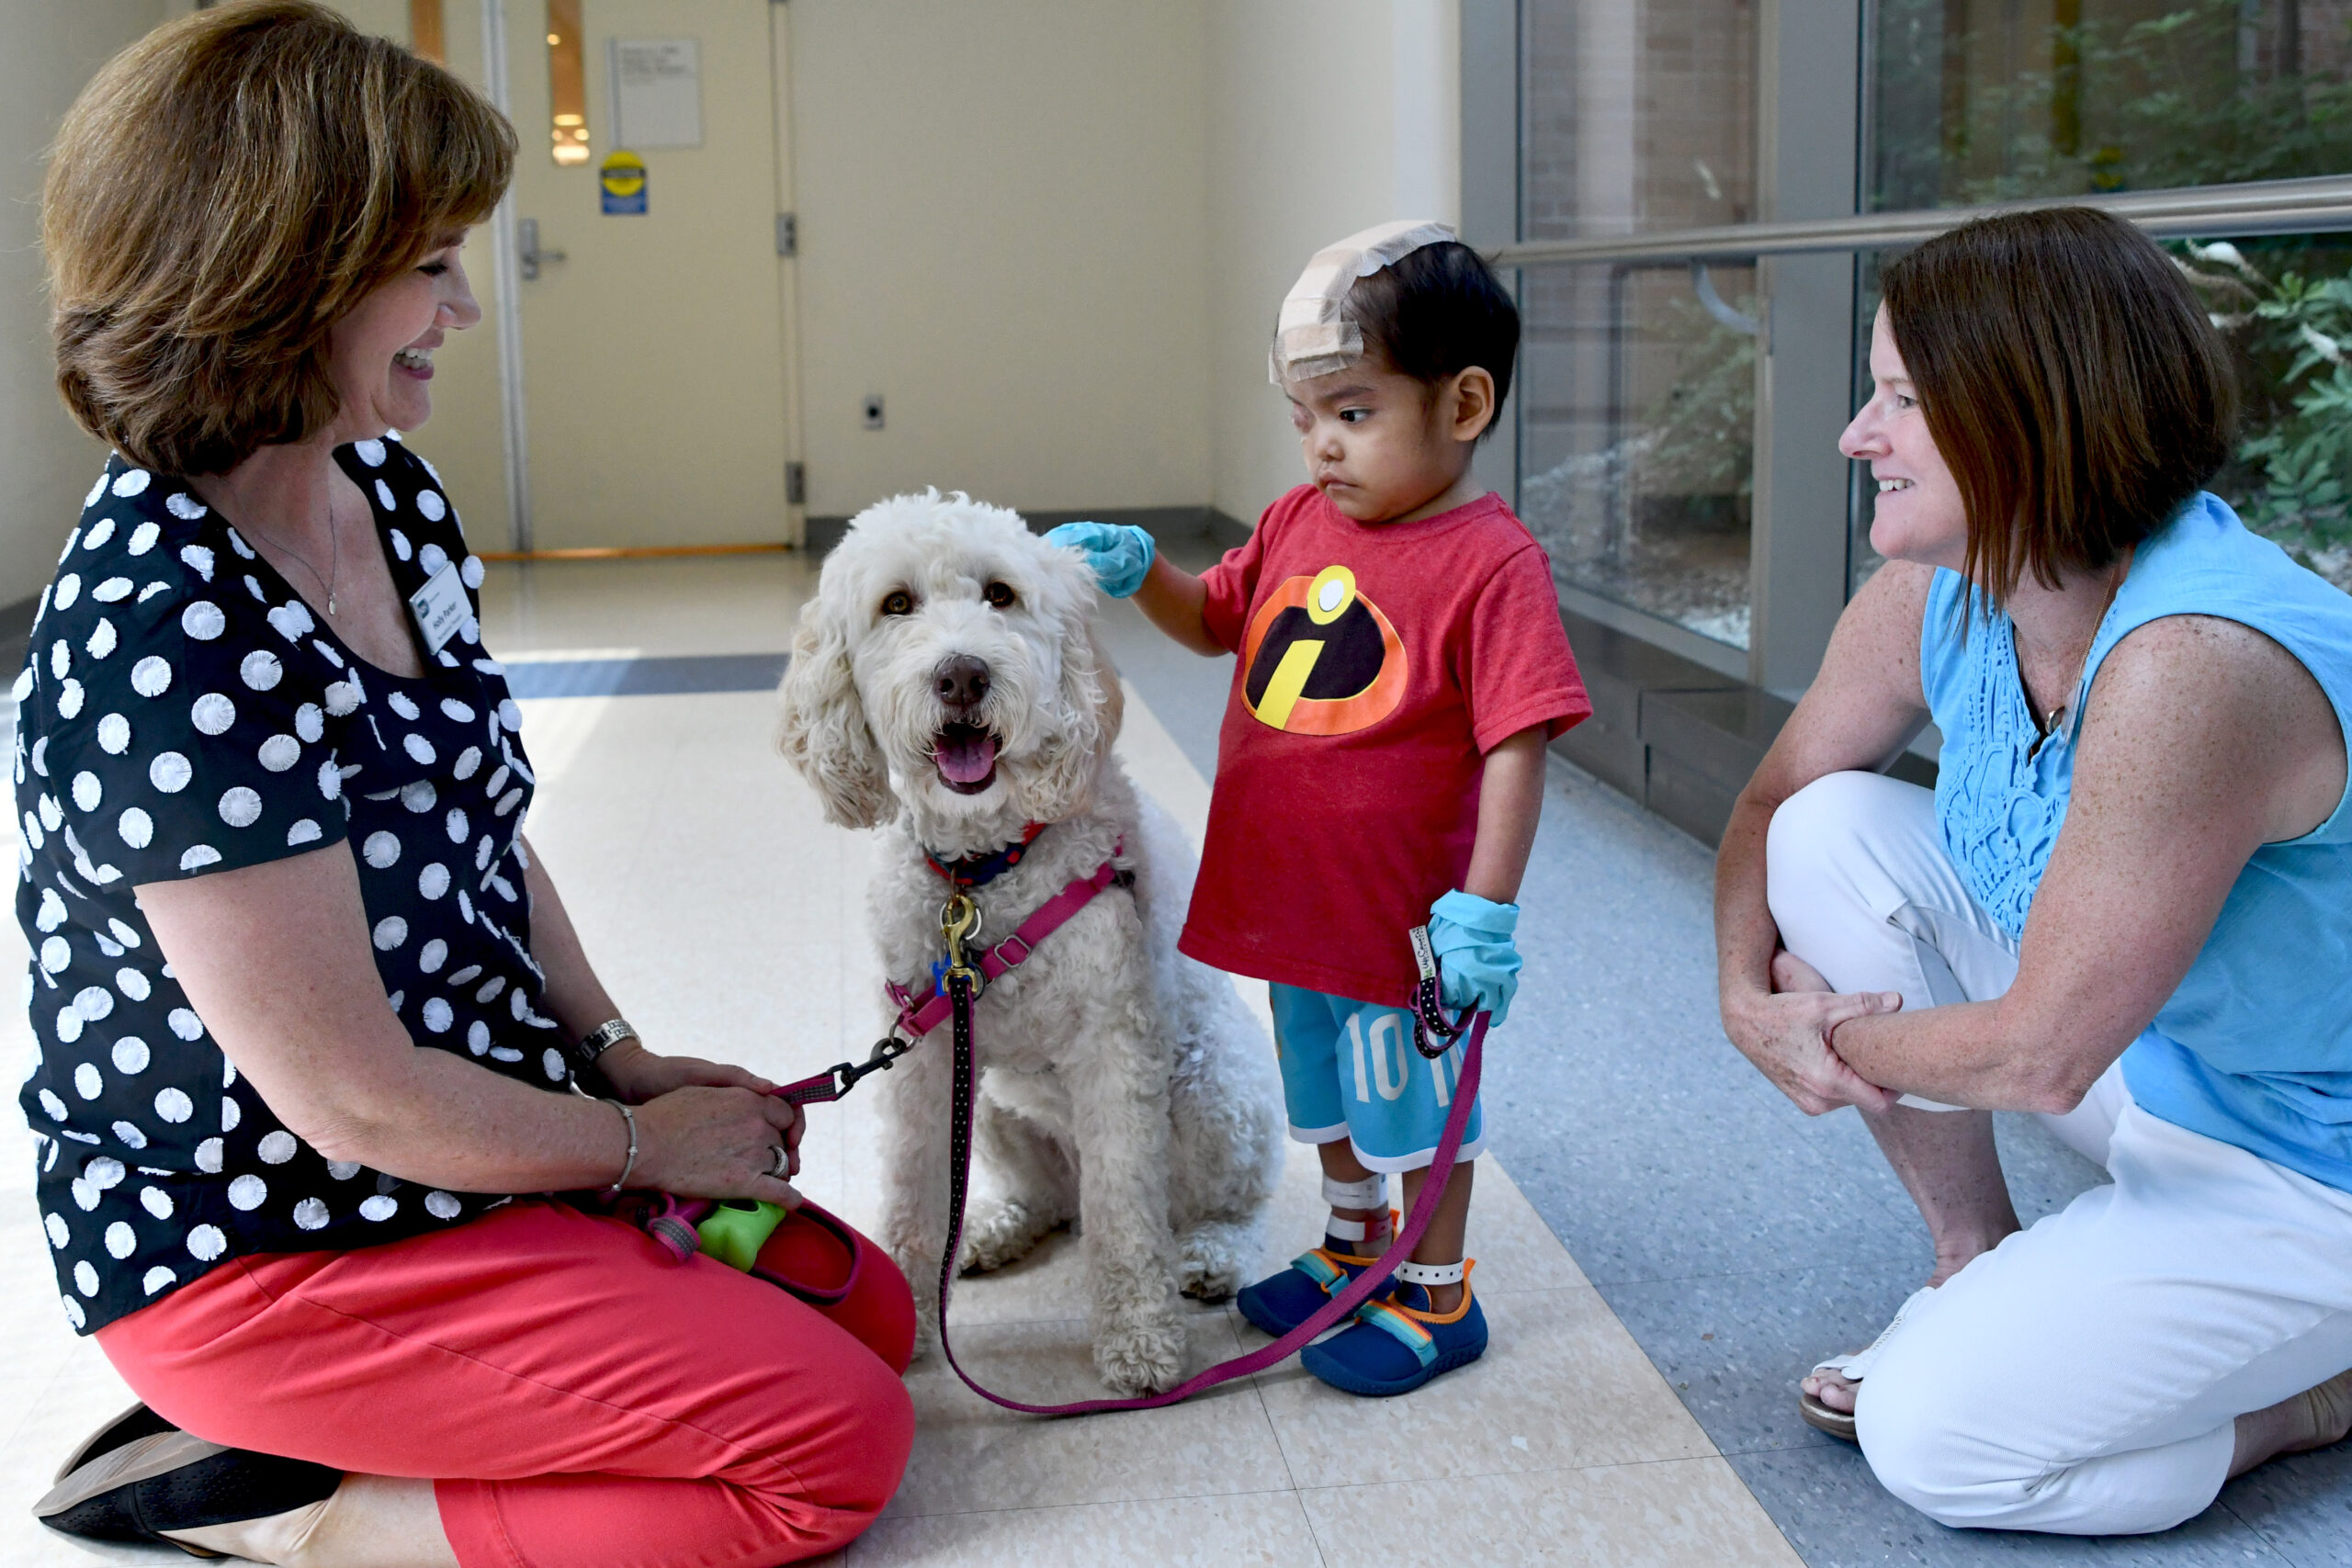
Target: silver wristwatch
column 601, row 1039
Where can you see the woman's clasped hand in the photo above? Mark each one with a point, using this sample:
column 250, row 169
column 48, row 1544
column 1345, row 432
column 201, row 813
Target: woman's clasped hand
column 704, row 1129
column 1790, row 1033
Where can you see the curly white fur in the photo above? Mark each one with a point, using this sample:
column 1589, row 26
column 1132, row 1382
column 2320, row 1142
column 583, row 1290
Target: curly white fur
column 1123, row 1085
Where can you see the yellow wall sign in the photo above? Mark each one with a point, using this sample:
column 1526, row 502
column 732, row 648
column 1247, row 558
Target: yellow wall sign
column 622, row 177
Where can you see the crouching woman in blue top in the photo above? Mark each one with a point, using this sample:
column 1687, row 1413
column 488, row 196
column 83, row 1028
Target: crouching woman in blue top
column 2127, row 905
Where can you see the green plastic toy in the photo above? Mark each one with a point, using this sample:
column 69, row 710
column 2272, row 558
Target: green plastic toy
column 736, row 1228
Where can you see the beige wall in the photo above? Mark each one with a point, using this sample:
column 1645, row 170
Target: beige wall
column 1325, row 117
column 47, row 51
column 1054, row 234
column 1003, row 207
column 1051, row 233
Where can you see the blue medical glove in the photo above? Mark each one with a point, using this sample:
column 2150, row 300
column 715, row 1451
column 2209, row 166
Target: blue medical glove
column 1120, row 555
column 1472, row 940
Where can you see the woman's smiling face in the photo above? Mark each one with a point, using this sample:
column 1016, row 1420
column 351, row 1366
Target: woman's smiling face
column 380, row 355
column 1920, row 516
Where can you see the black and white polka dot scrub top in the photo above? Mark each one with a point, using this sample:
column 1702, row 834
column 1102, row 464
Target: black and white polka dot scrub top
column 181, row 712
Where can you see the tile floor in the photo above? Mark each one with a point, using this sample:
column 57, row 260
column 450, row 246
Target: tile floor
column 1635, row 1407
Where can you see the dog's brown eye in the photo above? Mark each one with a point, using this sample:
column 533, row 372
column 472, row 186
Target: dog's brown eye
column 1000, row 594
column 899, row 602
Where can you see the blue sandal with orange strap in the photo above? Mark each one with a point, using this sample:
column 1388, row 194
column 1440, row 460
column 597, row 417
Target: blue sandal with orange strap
column 1396, row 1342
column 1279, row 1303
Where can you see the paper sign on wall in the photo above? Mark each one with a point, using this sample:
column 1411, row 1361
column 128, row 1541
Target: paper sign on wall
column 656, row 91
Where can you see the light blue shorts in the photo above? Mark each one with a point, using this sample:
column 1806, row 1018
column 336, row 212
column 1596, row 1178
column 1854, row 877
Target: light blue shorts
column 1350, row 1071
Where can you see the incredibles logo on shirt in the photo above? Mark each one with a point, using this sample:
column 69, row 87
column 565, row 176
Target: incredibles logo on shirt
column 1322, row 659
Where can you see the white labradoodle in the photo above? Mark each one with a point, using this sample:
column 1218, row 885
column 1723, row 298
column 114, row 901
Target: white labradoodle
column 946, row 681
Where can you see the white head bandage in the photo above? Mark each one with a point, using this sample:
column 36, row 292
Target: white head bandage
column 1311, row 339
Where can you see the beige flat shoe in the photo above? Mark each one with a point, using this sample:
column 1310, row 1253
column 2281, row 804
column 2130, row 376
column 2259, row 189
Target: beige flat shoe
column 127, row 1427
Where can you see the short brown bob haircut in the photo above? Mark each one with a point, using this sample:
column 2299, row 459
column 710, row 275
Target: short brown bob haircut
column 2073, row 383
column 221, row 194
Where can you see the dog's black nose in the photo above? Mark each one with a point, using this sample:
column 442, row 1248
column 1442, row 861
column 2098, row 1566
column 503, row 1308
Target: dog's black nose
column 962, row 682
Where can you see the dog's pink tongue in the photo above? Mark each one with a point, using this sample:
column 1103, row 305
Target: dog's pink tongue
column 965, row 761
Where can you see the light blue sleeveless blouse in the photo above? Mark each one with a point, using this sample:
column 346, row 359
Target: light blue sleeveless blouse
column 2255, row 1049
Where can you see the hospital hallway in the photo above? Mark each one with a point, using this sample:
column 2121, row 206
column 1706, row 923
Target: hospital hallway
column 1665, row 1245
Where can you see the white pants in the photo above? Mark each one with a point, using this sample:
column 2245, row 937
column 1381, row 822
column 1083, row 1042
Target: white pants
column 2085, row 1376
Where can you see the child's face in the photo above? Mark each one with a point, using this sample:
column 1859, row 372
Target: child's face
column 1381, row 445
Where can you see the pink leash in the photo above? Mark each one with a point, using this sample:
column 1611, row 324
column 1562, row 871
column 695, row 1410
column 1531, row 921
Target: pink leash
column 962, row 984
column 1331, row 1312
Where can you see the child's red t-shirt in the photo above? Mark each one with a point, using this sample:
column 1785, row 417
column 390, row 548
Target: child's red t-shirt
column 1377, row 665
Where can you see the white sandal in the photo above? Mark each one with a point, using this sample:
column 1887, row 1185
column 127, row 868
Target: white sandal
column 1839, row 1423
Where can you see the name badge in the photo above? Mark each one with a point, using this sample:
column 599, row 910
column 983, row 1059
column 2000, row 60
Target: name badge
column 440, row 607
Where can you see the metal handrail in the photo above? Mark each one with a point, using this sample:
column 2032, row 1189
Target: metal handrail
column 2266, row 206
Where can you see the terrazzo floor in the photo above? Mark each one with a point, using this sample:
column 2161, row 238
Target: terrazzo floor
column 1663, row 1245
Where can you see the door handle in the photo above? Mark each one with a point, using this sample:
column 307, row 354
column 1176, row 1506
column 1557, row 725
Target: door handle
column 528, row 252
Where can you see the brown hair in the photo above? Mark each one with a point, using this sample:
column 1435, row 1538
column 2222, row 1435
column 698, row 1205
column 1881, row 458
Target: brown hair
column 221, row 194
column 2071, row 381
column 1435, row 311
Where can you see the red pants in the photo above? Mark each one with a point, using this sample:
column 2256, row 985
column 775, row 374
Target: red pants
column 578, row 1398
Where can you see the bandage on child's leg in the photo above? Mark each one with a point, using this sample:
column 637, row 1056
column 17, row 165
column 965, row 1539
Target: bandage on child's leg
column 1370, row 1196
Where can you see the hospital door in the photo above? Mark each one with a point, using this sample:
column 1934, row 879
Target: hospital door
column 652, row 289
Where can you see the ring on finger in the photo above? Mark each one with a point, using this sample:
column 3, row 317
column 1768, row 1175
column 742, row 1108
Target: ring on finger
column 783, row 1161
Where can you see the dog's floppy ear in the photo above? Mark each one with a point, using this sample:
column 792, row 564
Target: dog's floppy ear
column 822, row 730
column 1090, row 704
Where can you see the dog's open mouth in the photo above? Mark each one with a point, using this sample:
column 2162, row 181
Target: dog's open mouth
column 965, row 755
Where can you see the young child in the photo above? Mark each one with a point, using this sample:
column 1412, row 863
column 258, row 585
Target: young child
column 1380, row 765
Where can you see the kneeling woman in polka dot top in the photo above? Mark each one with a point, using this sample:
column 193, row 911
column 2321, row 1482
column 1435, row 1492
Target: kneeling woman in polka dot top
column 309, row 1009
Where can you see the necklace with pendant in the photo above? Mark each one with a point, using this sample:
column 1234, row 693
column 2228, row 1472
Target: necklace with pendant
column 2058, row 714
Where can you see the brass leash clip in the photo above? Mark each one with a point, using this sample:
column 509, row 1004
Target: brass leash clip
column 959, row 923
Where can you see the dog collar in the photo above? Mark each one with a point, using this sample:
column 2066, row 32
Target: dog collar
column 979, row 870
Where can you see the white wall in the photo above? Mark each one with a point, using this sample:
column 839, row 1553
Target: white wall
column 1003, row 206
column 47, row 51
column 1325, row 117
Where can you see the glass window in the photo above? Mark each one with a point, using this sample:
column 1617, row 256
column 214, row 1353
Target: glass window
column 1637, row 435
column 425, row 31
column 1969, row 101
column 1638, row 400
column 567, row 82
column 1636, row 115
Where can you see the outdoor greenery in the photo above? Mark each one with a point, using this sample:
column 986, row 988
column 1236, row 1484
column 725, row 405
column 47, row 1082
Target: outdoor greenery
column 2292, row 478
column 1703, row 427
column 1659, row 517
column 2140, row 94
